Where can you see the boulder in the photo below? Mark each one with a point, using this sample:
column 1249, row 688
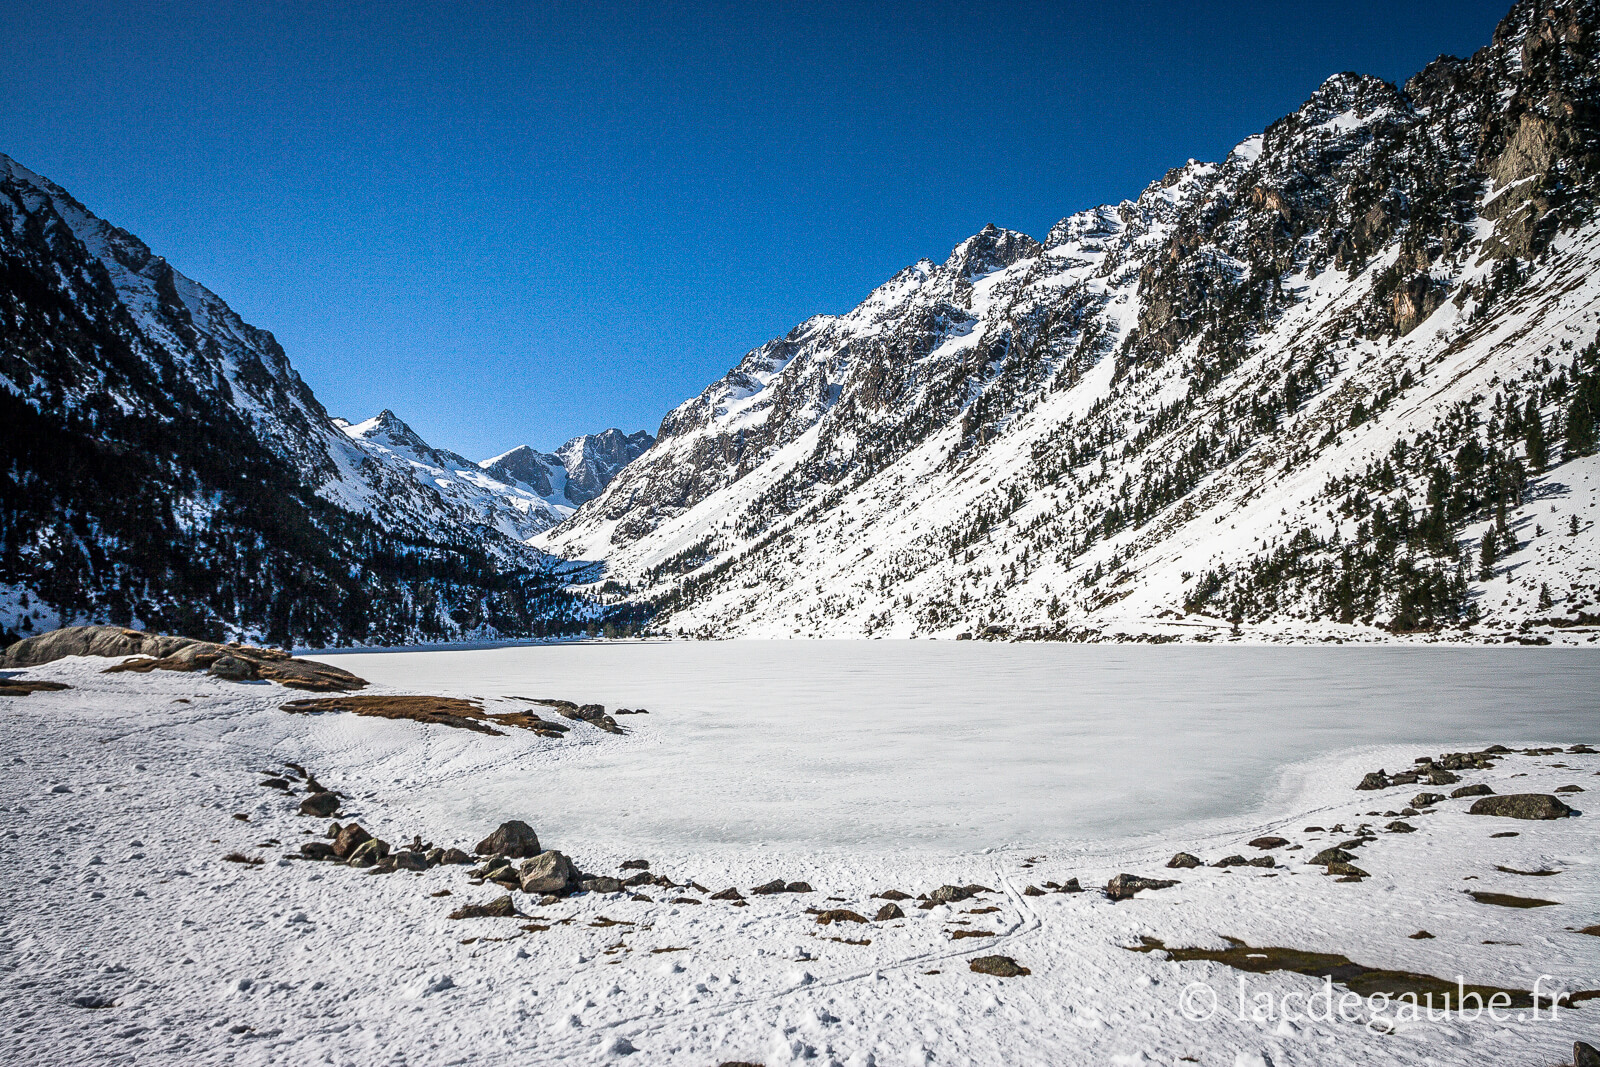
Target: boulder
column 320, row 805
column 892, row 894
column 889, row 911
column 1231, row 861
column 1569, row 789
column 1398, row 827
column 636, row 865
column 455, row 855
column 1374, row 780
column 434, row 857
column 515, row 839
column 1184, row 859
column 1426, row 800
column 1032, row 891
column 999, row 966
column 1479, row 790
column 545, row 874
column 1521, row 806
column 777, row 885
column 1346, row 870
column 1442, row 777
column 798, row 887
column 1263, row 861
column 1124, row 886
column 1585, row 1055
column 350, row 838
column 602, row 884
column 410, row 861
column 731, row 893
column 317, row 850
column 1269, row 842
column 642, row 878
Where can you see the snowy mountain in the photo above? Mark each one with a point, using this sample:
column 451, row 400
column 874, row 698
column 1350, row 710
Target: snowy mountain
column 1341, row 383
column 168, row 468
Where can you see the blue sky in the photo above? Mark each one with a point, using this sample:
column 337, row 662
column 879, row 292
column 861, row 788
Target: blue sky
column 513, row 223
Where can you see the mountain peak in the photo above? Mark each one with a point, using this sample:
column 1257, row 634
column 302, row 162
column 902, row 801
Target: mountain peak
column 990, row 249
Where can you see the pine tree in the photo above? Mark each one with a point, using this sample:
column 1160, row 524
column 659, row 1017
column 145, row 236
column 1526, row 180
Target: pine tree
column 1486, row 555
column 1533, row 437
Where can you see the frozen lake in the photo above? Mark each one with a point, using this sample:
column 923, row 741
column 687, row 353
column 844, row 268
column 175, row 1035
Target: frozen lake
column 960, row 746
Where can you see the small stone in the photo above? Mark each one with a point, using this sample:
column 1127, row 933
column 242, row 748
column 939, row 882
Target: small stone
column 1521, row 806
column 1263, row 861
column 498, row 908
column 1346, row 870
column 1124, row 886
column 317, row 850
column 546, row 873
column 1071, row 886
column 602, row 884
column 1479, row 790
column 731, row 893
column 1184, row 859
column 434, row 857
column 1231, row 861
column 798, row 887
column 332, row 831
column 642, row 878
column 514, row 838
column 1398, row 827
column 320, row 805
column 368, row 853
column 1421, row 935
column 1033, row 891
column 892, row 894
column 275, row 783
column 1331, row 855
column 777, row 885
column 839, row 915
column 636, row 865
column 1569, row 789
column 889, row 911
column 999, row 966
column 1269, row 842
column 949, row 894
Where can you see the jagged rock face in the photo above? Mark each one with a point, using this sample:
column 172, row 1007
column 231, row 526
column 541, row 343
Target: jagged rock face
column 169, row 468
column 1043, row 438
column 576, row 472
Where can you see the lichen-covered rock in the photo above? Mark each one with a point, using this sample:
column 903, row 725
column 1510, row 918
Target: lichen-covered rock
column 1124, row 886
column 998, row 966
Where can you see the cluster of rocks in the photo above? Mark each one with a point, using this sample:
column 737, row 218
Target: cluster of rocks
column 353, row 846
column 232, row 662
column 1440, row 770
column 594, row 714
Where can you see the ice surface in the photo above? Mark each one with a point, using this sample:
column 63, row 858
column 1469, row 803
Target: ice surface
column 959, row 746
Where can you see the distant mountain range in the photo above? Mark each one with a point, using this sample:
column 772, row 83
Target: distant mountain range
column 1342, row 384
column 169, row 469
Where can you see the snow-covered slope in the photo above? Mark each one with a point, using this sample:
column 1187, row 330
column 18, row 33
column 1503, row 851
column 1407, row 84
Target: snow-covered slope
column 1340, row 383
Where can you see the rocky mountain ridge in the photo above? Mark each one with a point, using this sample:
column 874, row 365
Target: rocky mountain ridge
column 1340, row 384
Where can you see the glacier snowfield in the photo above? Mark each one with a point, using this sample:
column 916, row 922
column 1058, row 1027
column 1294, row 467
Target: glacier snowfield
column 957, row 746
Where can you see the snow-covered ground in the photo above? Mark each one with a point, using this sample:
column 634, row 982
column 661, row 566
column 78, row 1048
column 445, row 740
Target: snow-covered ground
column 125, row 937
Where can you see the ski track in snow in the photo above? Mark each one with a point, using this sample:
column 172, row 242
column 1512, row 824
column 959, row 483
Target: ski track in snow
column 116, row 893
